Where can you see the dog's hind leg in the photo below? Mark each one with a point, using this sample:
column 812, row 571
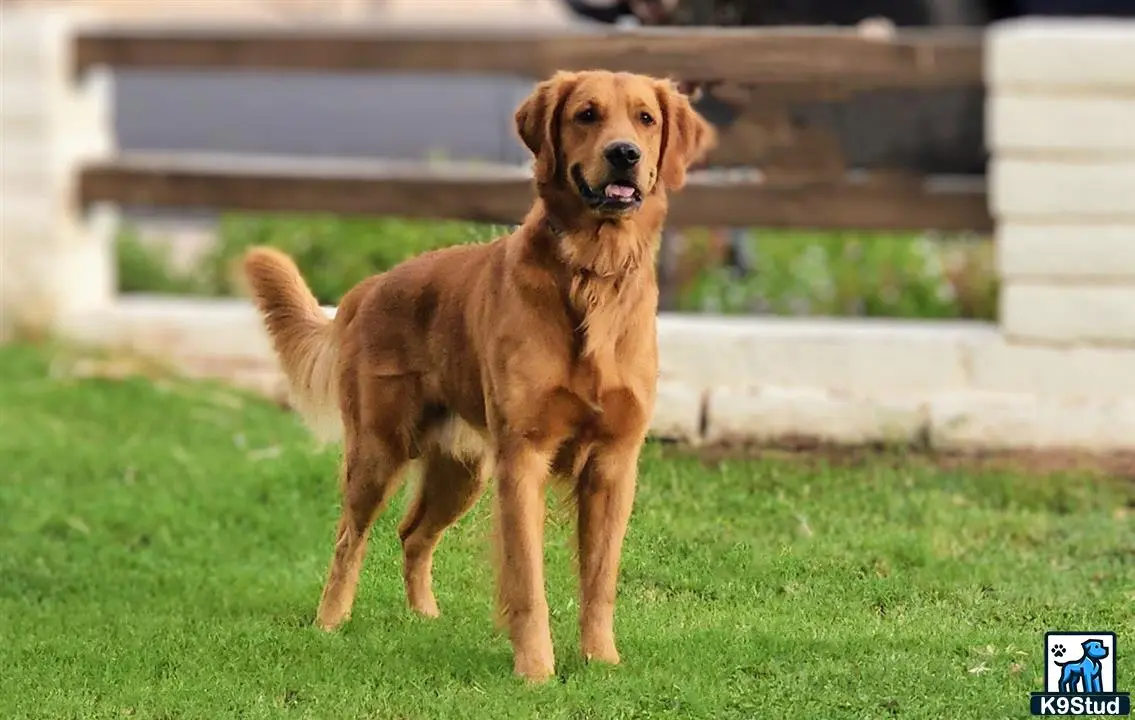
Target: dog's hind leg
column 370, row 475
column 450, row 486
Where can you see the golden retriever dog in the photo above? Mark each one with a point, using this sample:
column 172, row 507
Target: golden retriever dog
column 530, row 357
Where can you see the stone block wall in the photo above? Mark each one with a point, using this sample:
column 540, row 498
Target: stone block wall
column 1061, row 128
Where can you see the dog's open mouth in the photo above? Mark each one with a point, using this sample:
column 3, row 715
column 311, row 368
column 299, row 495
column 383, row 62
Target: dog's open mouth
column 615, row 196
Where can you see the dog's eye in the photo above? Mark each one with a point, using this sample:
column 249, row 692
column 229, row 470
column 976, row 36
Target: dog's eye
column 586, row 116
column 646, row 118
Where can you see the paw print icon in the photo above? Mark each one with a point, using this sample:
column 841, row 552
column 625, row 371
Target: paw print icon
column 1058, row 651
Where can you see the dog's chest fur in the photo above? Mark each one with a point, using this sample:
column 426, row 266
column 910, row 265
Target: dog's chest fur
column 610, row 308
column 603, row 311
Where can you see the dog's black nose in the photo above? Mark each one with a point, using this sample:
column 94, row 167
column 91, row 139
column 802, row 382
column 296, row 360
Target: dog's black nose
column 622, row 155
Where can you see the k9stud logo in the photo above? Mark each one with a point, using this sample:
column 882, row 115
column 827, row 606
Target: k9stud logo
column 1079, row 676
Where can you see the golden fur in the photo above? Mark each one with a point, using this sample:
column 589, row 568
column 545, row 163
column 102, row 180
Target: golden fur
column 529, row 357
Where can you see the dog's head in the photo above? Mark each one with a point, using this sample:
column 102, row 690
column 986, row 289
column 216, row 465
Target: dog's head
column 610, row 140
column 1094, row 649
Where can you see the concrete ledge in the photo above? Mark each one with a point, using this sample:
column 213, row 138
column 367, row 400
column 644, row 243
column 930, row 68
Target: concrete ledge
column 1066, row 252
column 1072, row 373
column 1021, row 422
column 678, row 412
column 775, row 414
column 1068, row 313
column 863, row 356
column 996, row 395
column 1061, row 53
column 182, row 331
column 970, row 421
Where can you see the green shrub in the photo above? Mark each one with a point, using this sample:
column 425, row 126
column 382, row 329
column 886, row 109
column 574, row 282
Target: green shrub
column 148, row 268
column 796, row 273
column 853, row 274
column 333, row 253
column 336, row 253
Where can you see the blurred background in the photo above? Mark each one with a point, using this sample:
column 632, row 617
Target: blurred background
column 408, row 116
column 726, row 270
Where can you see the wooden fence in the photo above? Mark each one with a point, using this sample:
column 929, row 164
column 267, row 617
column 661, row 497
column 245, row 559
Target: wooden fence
column 788, row 173
column 1054, row 370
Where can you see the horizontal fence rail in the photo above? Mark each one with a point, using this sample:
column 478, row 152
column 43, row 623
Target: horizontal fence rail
column 503, row 193
column 768, row 55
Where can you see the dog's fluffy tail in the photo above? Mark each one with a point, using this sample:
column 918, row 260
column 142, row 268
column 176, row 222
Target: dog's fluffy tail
column 304, row 337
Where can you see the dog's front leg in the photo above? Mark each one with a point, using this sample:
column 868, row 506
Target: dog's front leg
column 521, row 472
column 606, row 494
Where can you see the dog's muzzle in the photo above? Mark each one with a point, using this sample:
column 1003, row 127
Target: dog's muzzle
column 617, row 195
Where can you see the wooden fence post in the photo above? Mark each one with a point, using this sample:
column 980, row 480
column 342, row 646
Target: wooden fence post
column 55, row 258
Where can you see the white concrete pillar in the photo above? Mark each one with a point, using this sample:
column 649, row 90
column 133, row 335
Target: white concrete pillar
column 1061, row 129
column 54, row 259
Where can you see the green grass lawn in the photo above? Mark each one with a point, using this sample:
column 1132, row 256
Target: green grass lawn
column 162, row 549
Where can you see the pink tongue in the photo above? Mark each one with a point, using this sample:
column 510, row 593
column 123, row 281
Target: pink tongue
column 619, row 191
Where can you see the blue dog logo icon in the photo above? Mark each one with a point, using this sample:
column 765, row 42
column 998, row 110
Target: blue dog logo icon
column 1086, row 674
column 1080, row 683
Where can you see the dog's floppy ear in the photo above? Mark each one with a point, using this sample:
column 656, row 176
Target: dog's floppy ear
column 538, row 122
column 686, row 136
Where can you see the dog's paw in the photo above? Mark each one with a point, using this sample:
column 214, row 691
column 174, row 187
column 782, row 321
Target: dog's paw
column 330, row 619
column 534, row 670
column 601, row 651
column 425, row 607
column 1058, row 651
column 603, row 658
